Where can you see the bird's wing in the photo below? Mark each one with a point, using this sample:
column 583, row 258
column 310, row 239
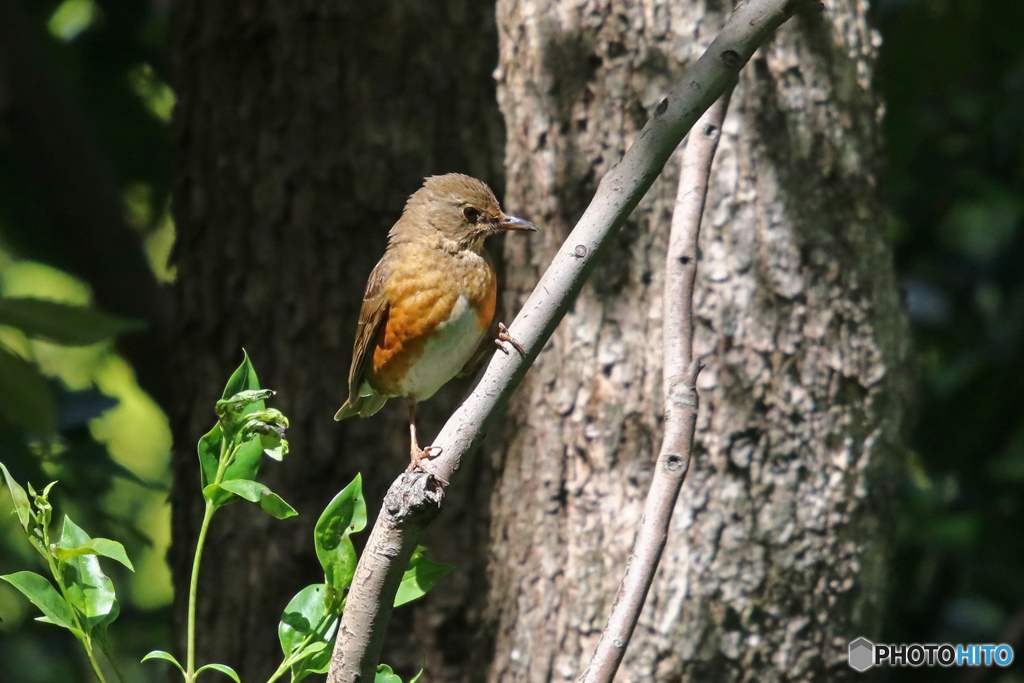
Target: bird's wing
column 373, row 318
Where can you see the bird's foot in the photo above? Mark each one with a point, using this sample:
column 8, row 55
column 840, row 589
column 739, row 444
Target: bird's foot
column 504, row 336
column 417, row 456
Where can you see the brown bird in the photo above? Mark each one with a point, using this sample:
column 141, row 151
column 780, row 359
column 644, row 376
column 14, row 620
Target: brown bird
column 430, row 300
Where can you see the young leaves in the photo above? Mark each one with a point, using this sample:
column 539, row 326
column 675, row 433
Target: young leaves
column 230, row 453
column 22, row 506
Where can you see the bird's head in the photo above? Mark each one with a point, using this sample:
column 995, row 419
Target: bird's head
column 461, row 208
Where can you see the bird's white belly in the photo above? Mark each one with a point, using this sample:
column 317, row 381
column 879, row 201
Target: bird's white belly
column 445, row 354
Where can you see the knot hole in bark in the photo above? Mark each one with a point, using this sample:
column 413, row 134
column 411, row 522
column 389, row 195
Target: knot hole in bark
column 674, row 462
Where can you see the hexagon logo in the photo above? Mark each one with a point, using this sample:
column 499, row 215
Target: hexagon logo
column 862, row 654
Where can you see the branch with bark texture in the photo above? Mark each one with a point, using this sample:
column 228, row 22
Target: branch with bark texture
column 412, row 502
column 680, row 385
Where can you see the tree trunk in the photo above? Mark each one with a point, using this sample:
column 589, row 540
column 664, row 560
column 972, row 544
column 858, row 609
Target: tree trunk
column 777, row 554
column 300, row 129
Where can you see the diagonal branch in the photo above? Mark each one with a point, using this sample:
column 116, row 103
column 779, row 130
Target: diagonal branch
column 409, row 504
column 680, row 372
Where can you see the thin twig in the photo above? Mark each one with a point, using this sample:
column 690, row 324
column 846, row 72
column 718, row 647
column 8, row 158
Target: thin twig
column 680, row 372
column 364, row 622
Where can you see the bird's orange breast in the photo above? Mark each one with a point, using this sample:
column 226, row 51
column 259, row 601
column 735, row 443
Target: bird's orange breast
column 440, row 306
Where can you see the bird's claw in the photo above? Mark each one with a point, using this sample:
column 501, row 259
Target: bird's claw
column 417, row 458
column 504, row 336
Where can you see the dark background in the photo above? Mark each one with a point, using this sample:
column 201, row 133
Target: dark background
column 85, row 155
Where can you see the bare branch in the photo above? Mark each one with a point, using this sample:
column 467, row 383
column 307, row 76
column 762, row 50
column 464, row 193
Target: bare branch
column 680, row 371
column 361, row 635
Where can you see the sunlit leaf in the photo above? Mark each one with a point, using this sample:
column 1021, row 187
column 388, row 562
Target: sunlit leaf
column 96, row 546
column 255, row 492
column 385, row 675
column 307, row 615
column 222, row 668
column 344, row 515
column 243, row 379
column 226, row 407
column 21, row 503
column 43, row 595
column 270, row 425
column 90, row 591
column 245, row 465
column 301, row 615
column 72, row 17
column 165, row 656
column 247, row 460
column 420, row 577
column 209, row 454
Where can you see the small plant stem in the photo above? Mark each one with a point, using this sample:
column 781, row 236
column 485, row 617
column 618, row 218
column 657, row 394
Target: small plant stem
column 190, row 671
column 87, row 643
column 222, row 465
column 105, row 648
column 84, row 639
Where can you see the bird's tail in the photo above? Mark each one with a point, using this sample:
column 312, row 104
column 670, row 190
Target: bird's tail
column 363, row 406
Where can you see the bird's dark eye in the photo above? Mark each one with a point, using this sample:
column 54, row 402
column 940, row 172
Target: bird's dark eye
column 471, row 214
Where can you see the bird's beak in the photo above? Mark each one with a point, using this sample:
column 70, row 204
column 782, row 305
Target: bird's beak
column 515, row 223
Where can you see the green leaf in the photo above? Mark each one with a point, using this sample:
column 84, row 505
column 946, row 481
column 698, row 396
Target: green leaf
column 245, row 465
column 417, row 677
column 223, row 668
column 227, row 407
column 307, row 614
column 26, row 399
column 63, row 323
column 247, row 460
column 166, row 656
column 21, row 503
column 243, row 379
column 301, row 615
column 96, row 546
column 242, row 396
column 343, row 516
column 100, row 629
column 43, row 595
column 385, row 675
column 420, row 577
column 209, row 455
column 233, row 412
column 270, row 426
column 255, row 492
column 90, row 591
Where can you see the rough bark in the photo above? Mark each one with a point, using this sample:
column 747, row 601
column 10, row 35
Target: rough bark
column 777, row 554
column 300, row 129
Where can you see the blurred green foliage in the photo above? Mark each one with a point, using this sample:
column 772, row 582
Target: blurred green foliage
column 952, row 73
column 77, row 413
column 953, row 78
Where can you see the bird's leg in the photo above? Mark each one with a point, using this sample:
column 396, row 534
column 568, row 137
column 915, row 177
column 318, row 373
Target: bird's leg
column 416, row 454
column 504, row 336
